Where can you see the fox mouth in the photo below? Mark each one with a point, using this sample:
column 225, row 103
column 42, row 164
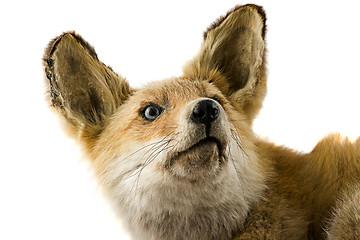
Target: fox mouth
column 207, row 141
column 206, row 154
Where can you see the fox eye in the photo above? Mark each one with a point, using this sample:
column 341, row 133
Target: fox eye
column 151, row 112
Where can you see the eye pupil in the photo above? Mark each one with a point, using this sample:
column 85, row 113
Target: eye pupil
column 151, row 112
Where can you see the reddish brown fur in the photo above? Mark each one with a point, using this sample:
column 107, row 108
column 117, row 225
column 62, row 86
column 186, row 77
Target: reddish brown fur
column 312, row 182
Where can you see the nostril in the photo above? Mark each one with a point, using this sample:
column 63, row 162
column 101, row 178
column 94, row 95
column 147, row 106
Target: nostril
column 205, row 111
column 214, row 113
column 199, row 113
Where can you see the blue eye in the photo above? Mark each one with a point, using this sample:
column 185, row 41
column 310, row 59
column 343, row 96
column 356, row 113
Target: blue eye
column 151, row 112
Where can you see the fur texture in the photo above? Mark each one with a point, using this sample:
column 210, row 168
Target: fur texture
column 344, row 222
column 178, row 158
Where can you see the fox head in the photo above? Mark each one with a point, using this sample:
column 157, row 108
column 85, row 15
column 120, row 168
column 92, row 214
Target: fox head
column 177, row 157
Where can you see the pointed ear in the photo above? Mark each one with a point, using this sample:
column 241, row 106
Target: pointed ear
column 82, row 89
column 232, row 57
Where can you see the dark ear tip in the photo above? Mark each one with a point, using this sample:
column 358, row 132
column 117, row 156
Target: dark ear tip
column 55, row 42
column 260, row 10
column 50, row 49
column 257, row 8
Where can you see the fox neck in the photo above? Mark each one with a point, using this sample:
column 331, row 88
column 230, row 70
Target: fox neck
column 172, row 208
column 185, row 211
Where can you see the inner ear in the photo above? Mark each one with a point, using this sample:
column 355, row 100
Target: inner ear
column 237, row 57
column 84, row 90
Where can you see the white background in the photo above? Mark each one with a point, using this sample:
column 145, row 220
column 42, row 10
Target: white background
column 46, row 190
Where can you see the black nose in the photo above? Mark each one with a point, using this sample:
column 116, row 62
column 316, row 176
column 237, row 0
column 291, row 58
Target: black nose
column 205, row 112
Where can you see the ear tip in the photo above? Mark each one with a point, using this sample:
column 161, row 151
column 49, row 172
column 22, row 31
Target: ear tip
column 51, row 47
column 250, row 7
column 66, row 36
column 260, row 10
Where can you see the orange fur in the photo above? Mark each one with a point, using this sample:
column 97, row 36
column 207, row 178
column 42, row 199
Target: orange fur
column 176, row 177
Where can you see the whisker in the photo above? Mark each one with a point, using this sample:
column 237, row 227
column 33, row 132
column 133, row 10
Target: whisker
column 235, row 135
column 146, row 146
column 238, row 120
column 138, row 150
column 135, row 172
column 149, row 160
column 130, row 173
column 151, row 151
column 233, row 163
column 168, row 160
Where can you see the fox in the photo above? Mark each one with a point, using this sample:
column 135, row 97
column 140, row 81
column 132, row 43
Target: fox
column 178, row 158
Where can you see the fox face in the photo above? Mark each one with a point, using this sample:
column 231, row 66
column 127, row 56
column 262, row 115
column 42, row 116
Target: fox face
column 178, row 157
column 173, row 131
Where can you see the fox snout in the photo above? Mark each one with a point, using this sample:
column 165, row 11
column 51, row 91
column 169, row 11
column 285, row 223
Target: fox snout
column 201, row 141
column 206, row 120
column 204, row 114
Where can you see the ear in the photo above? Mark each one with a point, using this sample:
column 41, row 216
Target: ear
column 232, row 57
column 82, row 89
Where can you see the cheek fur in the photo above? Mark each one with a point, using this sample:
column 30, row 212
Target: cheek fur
column 136, row 164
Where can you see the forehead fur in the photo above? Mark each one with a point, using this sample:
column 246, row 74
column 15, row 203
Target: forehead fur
column 175, row 89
